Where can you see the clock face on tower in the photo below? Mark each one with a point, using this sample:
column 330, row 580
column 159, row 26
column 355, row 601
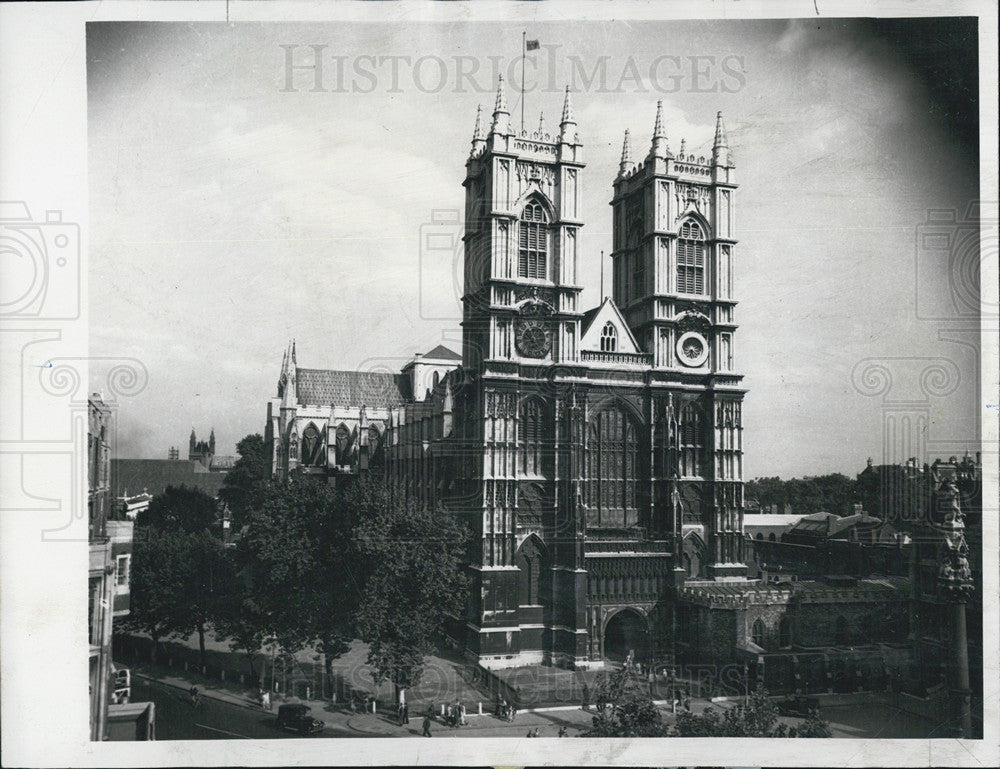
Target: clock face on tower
column 533, row 338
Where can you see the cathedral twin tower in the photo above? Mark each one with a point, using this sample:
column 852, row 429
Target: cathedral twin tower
column 601, row 448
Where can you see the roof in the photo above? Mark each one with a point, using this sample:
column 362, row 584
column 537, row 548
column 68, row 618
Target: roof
column 442, row 353
column 374, row 389
column 729, row 592
column 770, row 519
column 133, row 476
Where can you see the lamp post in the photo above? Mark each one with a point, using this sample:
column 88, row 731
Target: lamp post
column 955, row 587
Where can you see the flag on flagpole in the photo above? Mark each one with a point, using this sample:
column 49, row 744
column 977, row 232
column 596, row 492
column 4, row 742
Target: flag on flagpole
column 531, row 45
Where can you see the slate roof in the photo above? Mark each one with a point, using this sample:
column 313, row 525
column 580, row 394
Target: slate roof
column 442, row 353
column 154, row 475
column 374, row 389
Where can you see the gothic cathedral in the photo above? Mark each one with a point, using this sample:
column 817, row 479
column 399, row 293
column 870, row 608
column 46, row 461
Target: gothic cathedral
column 594, row 442
column 596, row 454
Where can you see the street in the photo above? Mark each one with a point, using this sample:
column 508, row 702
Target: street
column 177, row 719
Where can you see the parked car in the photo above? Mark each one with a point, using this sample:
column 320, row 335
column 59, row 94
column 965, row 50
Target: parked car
column 296, row 718
column 798, row 705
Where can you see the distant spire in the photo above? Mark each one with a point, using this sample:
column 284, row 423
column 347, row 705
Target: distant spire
column 659, row 146
column 501, row 117
column 478, row 139
column 541, row 124
column 720, row 147
column 567, row 114
column 683, row 145
column 567, row 126
column 626, row 163
column 293, row 352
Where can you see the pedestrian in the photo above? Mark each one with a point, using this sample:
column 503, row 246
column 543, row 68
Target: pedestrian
column 461, row 714
column 529, row 734
column 652, row 683
column 687, row 704
column 406, row 713
column 586, row 696
column 399, row 713
column 427, row 724
column 513, row 712
column 266, row 701
column 504, row 709
column 498, row 712
column 562, row 730
column 535, row 733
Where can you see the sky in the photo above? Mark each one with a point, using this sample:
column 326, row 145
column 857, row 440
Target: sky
column 236, row 206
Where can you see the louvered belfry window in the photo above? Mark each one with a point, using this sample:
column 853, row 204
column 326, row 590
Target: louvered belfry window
column 692, row 441
column 691, row 259
column 532, row 254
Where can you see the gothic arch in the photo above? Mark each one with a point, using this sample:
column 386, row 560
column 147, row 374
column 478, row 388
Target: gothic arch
column 693, row 554
column 534, row 195
column 699, row 218
column 342, row 438
column 531, row 559
column 313, row 446
column 626, row 629
column 616, row 401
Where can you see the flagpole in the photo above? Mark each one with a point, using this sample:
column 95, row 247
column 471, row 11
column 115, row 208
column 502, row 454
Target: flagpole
column 524, row 53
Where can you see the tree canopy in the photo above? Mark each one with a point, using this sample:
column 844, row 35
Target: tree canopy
column 628, row 708
column 757, row 717
column 179, row 508
column 248, row 473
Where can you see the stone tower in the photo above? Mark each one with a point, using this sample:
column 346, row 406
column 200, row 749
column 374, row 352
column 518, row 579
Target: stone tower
column 673, row 255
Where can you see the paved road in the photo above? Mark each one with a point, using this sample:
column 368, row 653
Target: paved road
column 176, row 719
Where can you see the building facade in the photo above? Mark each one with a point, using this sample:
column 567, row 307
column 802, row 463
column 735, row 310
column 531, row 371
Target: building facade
column 580, row 445
column 110, row 546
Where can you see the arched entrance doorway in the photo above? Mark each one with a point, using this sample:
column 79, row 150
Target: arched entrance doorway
column 626, row 631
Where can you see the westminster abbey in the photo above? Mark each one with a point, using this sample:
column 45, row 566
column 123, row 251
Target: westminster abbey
column 595, row 454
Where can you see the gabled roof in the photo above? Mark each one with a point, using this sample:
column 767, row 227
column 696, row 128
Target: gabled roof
column 594, row 321
column 442, row 353
column 374, row 389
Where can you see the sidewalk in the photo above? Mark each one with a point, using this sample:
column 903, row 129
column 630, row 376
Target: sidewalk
column 546, row 720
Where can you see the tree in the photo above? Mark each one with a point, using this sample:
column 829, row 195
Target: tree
column 207, row 587
column 628, row 709
column 758, row 717
column 413, row 578
column 297, row 563
column 179, row 508
column 160, row 574
column 248, row 474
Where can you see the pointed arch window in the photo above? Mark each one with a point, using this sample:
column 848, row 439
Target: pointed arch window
column 612, row 470
column 532, row 439
column 532, row 245
column 313, row 449
column 609, row 338
column 692, row 435
column 691, row 259
column 757, row 633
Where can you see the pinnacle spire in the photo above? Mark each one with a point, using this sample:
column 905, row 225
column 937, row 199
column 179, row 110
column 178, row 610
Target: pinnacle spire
column 658, row 132
column 541, row 124
column 501, row 117
column 659, row 146
column 720, row 147
column 501, row 105
column 477, row 132
column 626, row 162
column 567, row 126
column 567, row 113
column 478, row 138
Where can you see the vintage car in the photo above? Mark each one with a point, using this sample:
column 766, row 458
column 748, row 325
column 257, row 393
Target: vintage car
column 296, row 718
